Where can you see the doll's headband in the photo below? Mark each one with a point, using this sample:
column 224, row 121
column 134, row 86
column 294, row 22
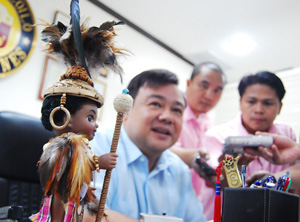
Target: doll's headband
column 75, row 82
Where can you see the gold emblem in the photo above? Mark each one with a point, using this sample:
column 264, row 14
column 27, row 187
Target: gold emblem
column 17, row 35
column 232, row 173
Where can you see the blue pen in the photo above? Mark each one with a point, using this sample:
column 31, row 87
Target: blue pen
column 279, row 184
column 243, row 175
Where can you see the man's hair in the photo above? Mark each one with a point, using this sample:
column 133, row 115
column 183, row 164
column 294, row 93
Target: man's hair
column 265, row 78
column 154, row 78
column 73, row 104
column 212, row 66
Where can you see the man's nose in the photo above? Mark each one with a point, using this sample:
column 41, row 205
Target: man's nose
column 259, row 107
column 209, row 94
column 166, row 115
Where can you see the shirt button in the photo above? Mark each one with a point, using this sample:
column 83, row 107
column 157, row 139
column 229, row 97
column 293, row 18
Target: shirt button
column 142, row 159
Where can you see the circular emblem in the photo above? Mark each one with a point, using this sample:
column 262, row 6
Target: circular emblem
column 17, row 35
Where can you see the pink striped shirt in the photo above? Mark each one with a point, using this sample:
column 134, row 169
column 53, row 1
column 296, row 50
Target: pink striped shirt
column 191, row 137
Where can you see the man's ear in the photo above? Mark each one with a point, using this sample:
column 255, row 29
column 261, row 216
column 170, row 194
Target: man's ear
column 188, row 82
column 125, row 117
column 240, row 103
column 279, row 109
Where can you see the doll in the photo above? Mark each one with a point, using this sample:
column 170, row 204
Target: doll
column 70, row 110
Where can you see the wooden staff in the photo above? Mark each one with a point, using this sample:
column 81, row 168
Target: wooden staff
column 122, row 104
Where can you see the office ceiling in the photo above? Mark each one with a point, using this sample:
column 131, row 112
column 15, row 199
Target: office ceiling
column 198, row 30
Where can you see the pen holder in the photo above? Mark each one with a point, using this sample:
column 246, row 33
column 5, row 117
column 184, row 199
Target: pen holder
column 260, row 205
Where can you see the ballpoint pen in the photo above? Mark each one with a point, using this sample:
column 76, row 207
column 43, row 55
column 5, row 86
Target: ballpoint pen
column 279, row 184
column 243, row 175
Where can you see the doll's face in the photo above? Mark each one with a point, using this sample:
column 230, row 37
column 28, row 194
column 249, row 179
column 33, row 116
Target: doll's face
column 84, row 120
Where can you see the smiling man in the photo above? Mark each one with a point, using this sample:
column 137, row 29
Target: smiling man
column 148, row 177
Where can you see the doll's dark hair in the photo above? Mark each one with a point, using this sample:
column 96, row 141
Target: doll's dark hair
column 265, row 78
column 73, row 104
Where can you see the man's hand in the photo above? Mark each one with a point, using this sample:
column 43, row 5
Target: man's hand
column 256, row 176
column 189, row 155
column 283, row 151
column 201, row 173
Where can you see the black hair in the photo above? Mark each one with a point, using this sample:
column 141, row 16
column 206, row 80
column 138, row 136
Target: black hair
column 265, row 78
column 212, row 66
column 154, row 78
column 73, row 104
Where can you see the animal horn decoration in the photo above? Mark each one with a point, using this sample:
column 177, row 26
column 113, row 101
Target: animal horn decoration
column 92, row 48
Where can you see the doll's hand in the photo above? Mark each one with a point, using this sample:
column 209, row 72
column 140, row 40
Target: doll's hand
column 108, row 161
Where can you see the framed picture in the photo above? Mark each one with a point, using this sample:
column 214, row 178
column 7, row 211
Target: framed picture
column 100, row 86
column 51, row 74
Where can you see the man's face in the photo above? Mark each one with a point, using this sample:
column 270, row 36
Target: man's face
column 154, row 122
column 259, row 106
column 204, row 91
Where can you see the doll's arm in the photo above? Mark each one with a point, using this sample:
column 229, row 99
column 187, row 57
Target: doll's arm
column 108, row 161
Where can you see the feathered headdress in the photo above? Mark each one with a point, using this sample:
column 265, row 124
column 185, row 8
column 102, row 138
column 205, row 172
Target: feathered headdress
column 83, row 49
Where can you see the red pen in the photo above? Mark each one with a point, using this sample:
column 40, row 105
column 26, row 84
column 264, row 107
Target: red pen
column 287, row 181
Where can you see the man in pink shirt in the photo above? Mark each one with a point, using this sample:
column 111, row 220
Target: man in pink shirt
column 260, row 103
column 203, row 92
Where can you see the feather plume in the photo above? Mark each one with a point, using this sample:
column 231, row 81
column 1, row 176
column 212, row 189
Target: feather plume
column 65, row 165
column 75, row 22
column 92, row 48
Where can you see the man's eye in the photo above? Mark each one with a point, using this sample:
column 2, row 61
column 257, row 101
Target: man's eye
column 218, row 90
column 251, row 101
column 268, row 103
column 204, row 86
column 155, row 104
column 177, row 110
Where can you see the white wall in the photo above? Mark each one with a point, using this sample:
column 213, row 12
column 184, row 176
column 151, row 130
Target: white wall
column 19, row 91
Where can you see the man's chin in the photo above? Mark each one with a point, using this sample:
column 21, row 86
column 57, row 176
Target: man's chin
column 162, row 146
column 204, row 110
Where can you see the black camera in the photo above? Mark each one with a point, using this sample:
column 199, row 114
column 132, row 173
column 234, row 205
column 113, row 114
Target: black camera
column 206, row 169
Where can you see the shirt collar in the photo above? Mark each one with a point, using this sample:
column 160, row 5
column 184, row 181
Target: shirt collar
column 131, row 150
column 272, row 129
column 190, row 116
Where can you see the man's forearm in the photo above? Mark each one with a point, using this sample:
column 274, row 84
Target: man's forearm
column 187, row 155
column 114, row 216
